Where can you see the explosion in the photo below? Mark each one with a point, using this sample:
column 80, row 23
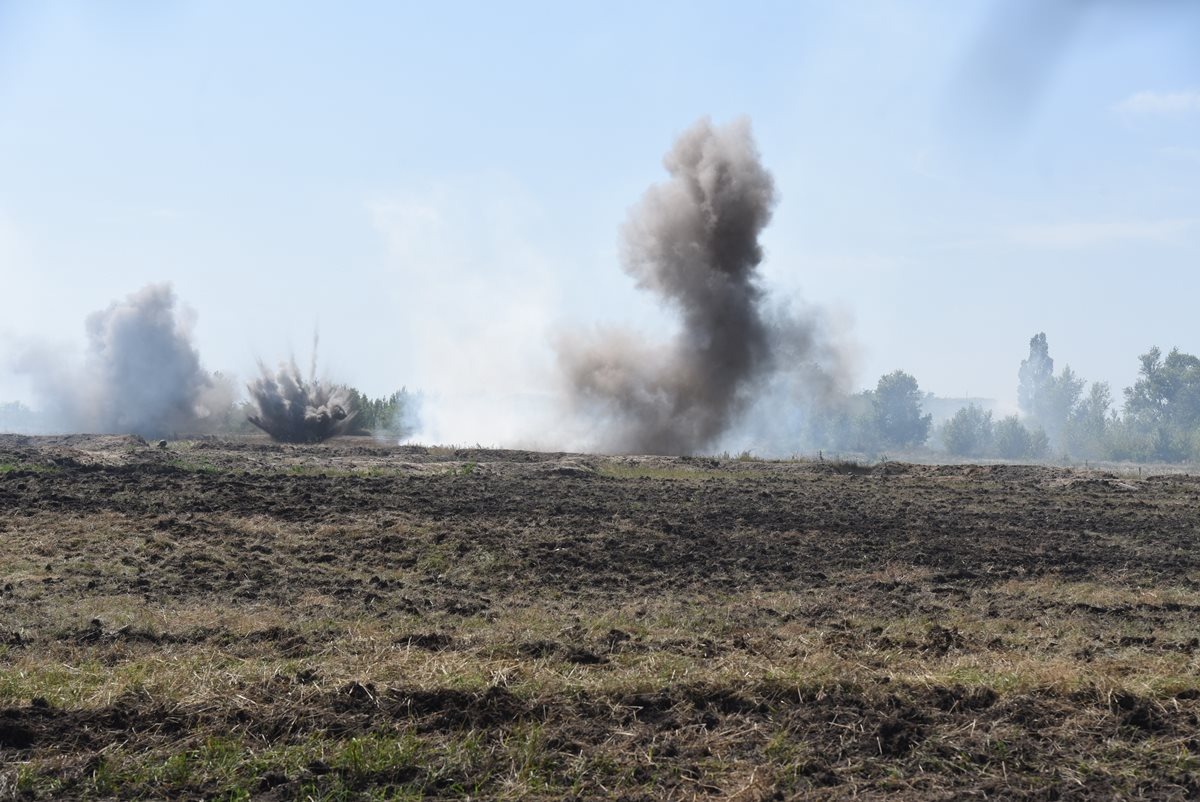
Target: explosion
column 693, row 241
column 293, row 410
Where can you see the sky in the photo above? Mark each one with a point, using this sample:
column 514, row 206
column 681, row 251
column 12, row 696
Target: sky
column 438, row 187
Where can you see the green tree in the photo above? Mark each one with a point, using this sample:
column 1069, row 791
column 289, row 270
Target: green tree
column 1010, row 438
column 1090, row 424
column 1034, row 376
column 969, row 432
column 1163, row 405
column 1051, row 402
column 896, row 405
column 860, row 432
column 1039, row 444
column 390, row 416
column 1057, row 404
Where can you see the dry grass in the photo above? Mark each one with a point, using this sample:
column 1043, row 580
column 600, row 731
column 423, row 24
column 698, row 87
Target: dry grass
column 381, row 654
column 617, row 470
column 705, row 641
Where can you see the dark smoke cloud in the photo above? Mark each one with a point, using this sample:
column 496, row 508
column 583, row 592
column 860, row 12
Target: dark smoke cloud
column 294, row 410
column 692, row 241
column 141, row 373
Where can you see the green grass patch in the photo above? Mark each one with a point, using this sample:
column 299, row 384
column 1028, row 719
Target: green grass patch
column 194, row 466
column 401, row 764
column 27, row 467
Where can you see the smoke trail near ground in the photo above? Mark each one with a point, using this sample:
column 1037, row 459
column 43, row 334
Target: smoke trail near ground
column 141, row 373
column 294, row 410
column 693, row 241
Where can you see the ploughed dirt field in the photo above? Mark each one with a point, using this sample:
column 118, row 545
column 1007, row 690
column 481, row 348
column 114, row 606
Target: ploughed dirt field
column 238, row 619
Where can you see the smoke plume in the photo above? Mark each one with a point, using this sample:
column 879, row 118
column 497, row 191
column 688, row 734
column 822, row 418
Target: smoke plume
column 141, row 374
column 294, row 410
column 693, row 242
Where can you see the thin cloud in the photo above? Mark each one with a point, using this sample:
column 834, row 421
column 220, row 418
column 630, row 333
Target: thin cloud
column 1091, row 234
column 1160, row 103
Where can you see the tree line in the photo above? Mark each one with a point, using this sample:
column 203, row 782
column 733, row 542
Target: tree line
column 1061, row 415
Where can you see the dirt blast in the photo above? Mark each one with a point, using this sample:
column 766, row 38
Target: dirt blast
column 294, row 410
column 693, row 241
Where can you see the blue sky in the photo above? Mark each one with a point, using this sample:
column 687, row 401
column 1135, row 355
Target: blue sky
column 439, row 186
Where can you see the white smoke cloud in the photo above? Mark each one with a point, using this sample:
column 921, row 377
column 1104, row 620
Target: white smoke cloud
column 477, row 301
column 140, row 373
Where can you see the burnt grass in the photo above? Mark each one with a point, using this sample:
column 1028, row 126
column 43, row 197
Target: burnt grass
column 239, row 619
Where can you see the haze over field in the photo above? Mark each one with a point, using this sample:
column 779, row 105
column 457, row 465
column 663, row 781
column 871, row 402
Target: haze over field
column 452, row 195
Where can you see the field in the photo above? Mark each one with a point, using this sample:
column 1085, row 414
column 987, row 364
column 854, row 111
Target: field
column 237, row 619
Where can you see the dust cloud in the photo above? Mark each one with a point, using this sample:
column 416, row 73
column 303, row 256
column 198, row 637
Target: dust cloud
column 693, row 241
column 141, row 374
